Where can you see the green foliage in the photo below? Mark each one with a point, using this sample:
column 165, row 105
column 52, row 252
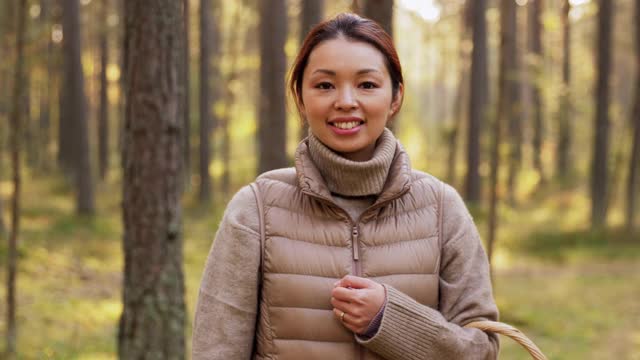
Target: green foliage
column 563, row 247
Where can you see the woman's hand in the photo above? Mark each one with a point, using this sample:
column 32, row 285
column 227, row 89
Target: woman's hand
column 356, row 301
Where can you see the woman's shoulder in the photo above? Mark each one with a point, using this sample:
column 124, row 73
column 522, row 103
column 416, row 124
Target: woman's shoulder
column 451, row 198
column 242, row 210
column 286, row 175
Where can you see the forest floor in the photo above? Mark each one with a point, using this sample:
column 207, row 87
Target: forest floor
column 574, row 292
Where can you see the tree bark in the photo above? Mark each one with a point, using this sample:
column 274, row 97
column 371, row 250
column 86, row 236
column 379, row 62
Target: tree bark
column 634, row 162
column 535, row 45
column 29, row 131
column 273, row 62
column 65, row 122
column 206, row 34
column 380, row 11
column 312, row 14
column 454, row 133
column 45, row 109
column 153, row 318
column 563, row 158
column 461, row 96
column 512, row 92
column 5, row 31
column 599, row 166
column 186, row 100
column 76, row 108
column 477, row 101
column 506, row 83
column 103, row 115
column 18, row 96
column 229, row 100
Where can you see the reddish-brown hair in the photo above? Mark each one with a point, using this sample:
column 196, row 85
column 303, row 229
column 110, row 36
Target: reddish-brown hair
column 352, row 27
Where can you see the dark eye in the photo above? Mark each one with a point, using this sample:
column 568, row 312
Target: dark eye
column 368, row 85
column 324, row 86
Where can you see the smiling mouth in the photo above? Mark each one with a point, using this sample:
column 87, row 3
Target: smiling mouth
column 346, row 125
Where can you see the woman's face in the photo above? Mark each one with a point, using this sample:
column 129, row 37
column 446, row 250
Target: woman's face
column 347, row 96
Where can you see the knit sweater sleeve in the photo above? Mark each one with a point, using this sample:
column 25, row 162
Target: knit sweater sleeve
column 410, row 330
column 226, row 309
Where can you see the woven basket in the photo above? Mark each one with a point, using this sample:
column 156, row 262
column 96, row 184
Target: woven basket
column 510, row 331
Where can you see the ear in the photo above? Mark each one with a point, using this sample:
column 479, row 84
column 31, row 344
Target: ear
column 397, row 101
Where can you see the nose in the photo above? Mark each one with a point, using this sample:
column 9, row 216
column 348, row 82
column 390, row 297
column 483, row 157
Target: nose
column 346, row 100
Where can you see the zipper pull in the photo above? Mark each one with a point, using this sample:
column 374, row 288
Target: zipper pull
column 354, row 241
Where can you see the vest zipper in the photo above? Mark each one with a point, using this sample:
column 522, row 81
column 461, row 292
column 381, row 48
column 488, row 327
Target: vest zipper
column 354, row 242
column 356, row 269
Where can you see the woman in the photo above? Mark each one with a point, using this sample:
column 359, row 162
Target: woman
column 351, row 254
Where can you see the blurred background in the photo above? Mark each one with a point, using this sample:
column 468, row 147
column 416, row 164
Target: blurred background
column 530, row 108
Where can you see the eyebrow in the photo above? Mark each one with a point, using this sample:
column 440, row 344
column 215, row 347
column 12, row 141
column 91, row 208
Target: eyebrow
column 333, row 73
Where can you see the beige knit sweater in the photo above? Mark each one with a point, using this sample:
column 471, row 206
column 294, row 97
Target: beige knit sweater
column 226, row 311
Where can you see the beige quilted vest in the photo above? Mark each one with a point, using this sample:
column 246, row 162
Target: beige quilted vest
column 309, row 242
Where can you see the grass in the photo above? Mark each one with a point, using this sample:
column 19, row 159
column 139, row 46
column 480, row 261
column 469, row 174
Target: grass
column 574, row 292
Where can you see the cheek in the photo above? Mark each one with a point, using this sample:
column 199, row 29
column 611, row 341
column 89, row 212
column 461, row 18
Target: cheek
column 315, row 107
column 379, row 108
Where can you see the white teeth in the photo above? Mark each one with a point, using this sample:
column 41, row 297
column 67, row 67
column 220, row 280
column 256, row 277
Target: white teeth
column 346, row 125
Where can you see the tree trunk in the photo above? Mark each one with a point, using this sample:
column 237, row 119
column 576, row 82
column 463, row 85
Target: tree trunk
column 206, row 36
column 380, row 11
column 563, row 159
column 599, row 167
column 76, row 108
column 18, row 96
column 103, row 115
column 121, row 5
column 65, row 123
column 5, row 31
column 312, row 14
column 535, row 45
column 29, row 132
column 229, row 100
column 461, row 96
column 634, row 162
column 477, row 101
column 272, row 113
column 186, row 100
column 454, row 134
column 512, row 92
column 45, row 110
column 153, row 318
column 506, row 83
column 355, row 6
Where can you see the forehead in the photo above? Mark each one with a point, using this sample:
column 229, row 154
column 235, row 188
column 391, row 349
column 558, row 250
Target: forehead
column 345, row 55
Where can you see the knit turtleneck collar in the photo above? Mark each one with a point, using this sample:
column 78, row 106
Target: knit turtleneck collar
column 354, row 178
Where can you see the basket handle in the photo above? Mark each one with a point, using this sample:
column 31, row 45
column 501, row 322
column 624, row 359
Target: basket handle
column 510, row 331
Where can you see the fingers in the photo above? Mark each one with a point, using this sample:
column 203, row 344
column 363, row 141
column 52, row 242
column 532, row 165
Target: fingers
column 354, row 282
column 343, row 306
column 350, row 321
column 348, row 295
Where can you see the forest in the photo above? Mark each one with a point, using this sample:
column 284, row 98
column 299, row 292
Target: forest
column 126, row 126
